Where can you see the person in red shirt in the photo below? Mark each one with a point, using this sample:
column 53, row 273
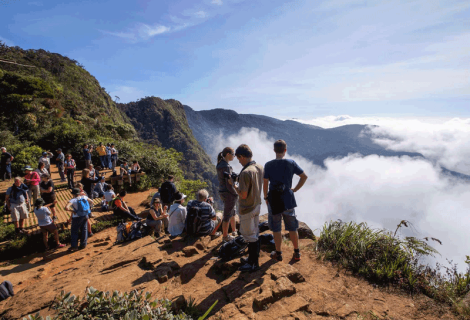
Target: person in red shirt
column 32, row 180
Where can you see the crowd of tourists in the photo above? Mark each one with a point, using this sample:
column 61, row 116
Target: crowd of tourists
column 167, row 214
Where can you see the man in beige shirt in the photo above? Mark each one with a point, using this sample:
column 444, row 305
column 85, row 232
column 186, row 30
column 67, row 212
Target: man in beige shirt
column 250, row 183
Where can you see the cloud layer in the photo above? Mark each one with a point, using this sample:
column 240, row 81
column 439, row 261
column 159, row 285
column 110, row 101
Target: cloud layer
column 381, row 191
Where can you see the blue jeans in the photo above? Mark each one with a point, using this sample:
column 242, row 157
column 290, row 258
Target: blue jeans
column 103, row 162
column 79, row 224
column 275, row 220
column 6, row 171
column 108, row 161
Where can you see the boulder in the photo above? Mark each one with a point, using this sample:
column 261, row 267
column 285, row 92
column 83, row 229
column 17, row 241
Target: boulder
column 283, row 288
column 190, row 251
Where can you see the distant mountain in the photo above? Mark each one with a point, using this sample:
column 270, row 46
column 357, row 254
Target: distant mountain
column 311, row 142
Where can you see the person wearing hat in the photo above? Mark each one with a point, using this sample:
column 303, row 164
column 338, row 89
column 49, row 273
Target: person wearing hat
column 60, row 164
column 5, row 164
column 250, row 184
column 70, row 167
column 156, row 216
column 177, row 215
column 45, row 222
column 46, row 159
column 79, row 222
column 16, row 199
column 32, row 180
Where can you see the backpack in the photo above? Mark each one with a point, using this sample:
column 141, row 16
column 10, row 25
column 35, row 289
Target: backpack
column 83, row 207
column 166, row 192
column 232, row 249
column 131, row 231
column 111, row 204
column 193, row 220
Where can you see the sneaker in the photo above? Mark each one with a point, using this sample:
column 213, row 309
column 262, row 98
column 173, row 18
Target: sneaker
column 81, row 247
column 248, row 267
column 72, row 249
column 296, row 256
column 90, row 235
column 227, row 238
column 91, row 215
column 274, row 255
column 61, row 245
column 244, row 260
column 234, row 234
column 216, row 235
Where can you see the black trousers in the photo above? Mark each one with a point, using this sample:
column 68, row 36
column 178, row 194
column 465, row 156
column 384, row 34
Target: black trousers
column 125, row 215
column 6, row 290
column 70, row 182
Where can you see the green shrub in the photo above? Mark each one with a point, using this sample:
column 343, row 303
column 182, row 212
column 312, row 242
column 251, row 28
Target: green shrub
column 105, row 305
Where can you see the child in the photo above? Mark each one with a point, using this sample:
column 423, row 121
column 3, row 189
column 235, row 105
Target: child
column 45, row 222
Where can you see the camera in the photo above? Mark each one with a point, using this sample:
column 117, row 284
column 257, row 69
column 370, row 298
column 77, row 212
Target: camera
column 209, row 201
column 234, row 176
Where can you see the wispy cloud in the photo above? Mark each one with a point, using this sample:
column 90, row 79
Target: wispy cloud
column 217, row 2
column 141, row 32
column 200, row 14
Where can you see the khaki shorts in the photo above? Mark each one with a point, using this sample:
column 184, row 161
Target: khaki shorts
column 19, row 211
column 249, row 222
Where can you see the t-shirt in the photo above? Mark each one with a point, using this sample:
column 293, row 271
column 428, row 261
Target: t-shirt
column 108, row 151
column 167, row 191
column 88, row 184
column 177, row 218
column 101, row 150
column 282, row 171
column 69, row 164
column 114, row 152
column 34, row 177
column 109, row 195
column 41, row 171
column 99, row 187
column 44, row 216
column 60, row 158
column 206, row 214
column 46, row 186
column 251, row 181
column 5, row 158
column 75, row 204
column 21, row 197
column 86, row 154
column 46, row 160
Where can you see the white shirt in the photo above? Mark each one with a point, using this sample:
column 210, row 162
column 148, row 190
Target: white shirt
column 177, row 217
column 75, row 205
column 109, row 195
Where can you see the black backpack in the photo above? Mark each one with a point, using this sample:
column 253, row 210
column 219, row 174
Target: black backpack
column 232, row 249
column 166, row 192
column 193, row 220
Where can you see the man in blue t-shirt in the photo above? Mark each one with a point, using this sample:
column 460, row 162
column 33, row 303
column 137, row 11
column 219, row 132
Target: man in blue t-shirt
column 87, row 154
column 280, row 199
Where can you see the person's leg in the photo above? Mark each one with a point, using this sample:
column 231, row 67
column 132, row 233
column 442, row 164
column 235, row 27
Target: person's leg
column 8, row 170
column 45, row 235
column 249, row 230
column 227, row 213
column 275, row 225
column 218, row 223
column 75, row 228
column 30, row 197
column 4, row 294
column 56, row 237
column 233, row 224
column 88, row 223
column 133, row 214
column 84, row 229
column 2, row 173
column 35, row 193
column 292, row 224
column 53, row 211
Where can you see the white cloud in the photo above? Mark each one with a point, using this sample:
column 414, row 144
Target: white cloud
column 146, row 31
column 141, row 32
column 217, row 2
column 200, row 14
column 126, row 93
column 381, row 191
column 444, row 141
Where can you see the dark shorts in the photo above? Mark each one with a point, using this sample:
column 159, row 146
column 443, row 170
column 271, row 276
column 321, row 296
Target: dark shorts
column 49, row 228
column 230, row 201
column 290, row 220
column 49, row 199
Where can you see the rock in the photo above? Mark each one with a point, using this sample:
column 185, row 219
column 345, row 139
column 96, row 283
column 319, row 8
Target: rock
column 305, row 232
column 190, row 251
column 206, row 241
column 264, row 297
column 345, row 311
column 199, row 245
column 178, row 302
column 295, row 303
column 283, row 288
column 286, row 270
column 165, row 270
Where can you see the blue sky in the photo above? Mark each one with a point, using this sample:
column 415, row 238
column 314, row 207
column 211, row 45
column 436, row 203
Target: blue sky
column 285, row 59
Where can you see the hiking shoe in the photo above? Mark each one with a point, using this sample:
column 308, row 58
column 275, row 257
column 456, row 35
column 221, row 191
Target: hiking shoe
column 244, row 260
column 216, row 235
column 90, row 235
column 72, row 249
column 247, row 267
column 227, row 238
column 61, row 245
column 81, row 247
column 274, row 255
column 91, row 215
column 234, row 234
column 296, row 256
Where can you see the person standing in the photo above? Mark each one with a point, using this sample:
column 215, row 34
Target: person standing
column 70, row 167
column 81, row 206
column 41, row 169
column 114, row 157
column 60, row 164
column 16, row 199
column 46, row 159
column 5, row 164
column 32, row 180
column 280, row 199
column 88, row 183
column 102, row 153
column 45, row 222
column 250, row 182
column 87, row 155
column 108, row 156
column 167, row 191
column 48, row 193
column 226, row 191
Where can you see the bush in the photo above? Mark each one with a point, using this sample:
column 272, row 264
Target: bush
column 105, row 305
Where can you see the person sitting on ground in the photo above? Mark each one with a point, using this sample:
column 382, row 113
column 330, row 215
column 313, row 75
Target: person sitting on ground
column 102, row 153
column 126, row 170
column 5, row 164
column 46, row 159
column 48, row 193
column 156, row 216
column 83, row 193
column 6, row 290
column 88, row 182
column 70, row 167
column 108, row 196
column 209, row 221
column 135, row 167
column 41, row 169
column 32, row 180
column 177, row 215
column 168, row 191
column 120, row 208
column 45, row 222
column 16, row 199
column 100, row 187
column 81, row 206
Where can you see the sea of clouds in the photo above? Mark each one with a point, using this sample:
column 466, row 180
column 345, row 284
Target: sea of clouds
column 382, row 191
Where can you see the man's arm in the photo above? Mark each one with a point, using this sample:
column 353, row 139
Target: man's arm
column 265, row 189
column 303, row 178
column 68, row 207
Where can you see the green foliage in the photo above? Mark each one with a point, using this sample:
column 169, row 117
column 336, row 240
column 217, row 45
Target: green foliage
column 385, row 258
column 23, row 152
column 105, row 305
column 190, row 187
column 7, row 231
